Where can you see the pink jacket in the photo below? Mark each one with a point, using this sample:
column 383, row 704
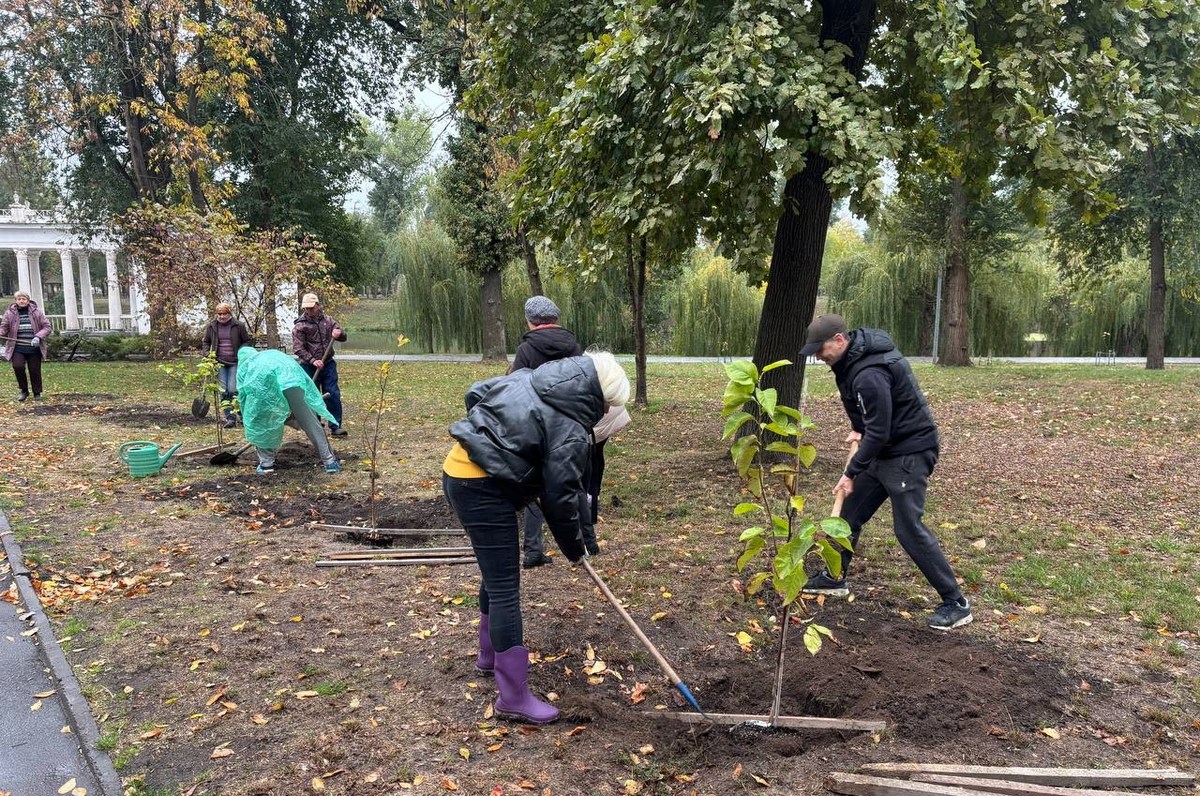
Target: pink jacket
column 8, row 328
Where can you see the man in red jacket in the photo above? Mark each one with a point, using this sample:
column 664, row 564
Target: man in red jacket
column 312, row 341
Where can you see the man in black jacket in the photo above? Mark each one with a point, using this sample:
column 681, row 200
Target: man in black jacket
column 898, row 448
column 545, row 341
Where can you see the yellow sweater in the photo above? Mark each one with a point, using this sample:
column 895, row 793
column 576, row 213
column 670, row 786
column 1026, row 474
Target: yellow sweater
column 459, row 465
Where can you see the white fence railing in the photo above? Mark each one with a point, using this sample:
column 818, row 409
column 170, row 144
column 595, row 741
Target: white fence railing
column 93, row 323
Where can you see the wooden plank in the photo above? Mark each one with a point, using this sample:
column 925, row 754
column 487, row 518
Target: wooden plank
column 394, row 562
column 390, row 531
column 861, row 785
column 785, row 722
column 1066, row 777
column 1015, row 788
column 411, row 552
column 208, row 449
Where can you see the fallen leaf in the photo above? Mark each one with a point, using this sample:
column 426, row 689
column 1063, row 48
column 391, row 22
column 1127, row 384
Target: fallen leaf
column 45, row 694
column 464, row 753
column 148, row 734
column 220, row 752
column 67, row 786
column 657, row 616
column 1050, row 732
column 318, row 784
column 761, row 781
column 449, row 784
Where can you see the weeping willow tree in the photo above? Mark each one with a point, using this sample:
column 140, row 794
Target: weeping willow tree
column 715, row 312
column 596, row 310
column 437, row 301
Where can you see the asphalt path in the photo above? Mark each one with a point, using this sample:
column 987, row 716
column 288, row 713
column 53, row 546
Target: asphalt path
column 49, row 736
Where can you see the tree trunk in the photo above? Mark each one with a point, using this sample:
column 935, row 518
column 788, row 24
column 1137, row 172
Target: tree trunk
column 531, row 262
column 791, row 294
column 928, row 318
column 795, row 272
column 494, row 348
column 636, row 273
column 955, row 336
column 1156, row 308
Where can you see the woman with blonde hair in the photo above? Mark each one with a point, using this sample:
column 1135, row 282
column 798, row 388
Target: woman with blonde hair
column 526, row 435
column 24, row 329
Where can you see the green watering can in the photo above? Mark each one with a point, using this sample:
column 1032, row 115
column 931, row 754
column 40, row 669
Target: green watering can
column 143, row 457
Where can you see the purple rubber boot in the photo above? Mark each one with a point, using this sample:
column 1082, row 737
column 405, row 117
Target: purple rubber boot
column 485, row 662
column 512, row 681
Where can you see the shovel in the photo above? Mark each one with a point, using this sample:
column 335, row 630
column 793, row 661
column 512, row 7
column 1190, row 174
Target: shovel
column 229, row 457
column 637, row 631
column 200, row 403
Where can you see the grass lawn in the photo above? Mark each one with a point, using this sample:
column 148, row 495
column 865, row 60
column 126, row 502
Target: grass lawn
column 1066, row 497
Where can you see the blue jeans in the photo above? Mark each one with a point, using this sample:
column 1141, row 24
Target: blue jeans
column 227, row 378
column 327, row 383
column 488, row 508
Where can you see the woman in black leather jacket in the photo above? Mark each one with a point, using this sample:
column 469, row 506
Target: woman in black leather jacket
column 526, row 435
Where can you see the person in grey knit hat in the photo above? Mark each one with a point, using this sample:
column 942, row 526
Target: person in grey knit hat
column 545, row 341
column 540, row 310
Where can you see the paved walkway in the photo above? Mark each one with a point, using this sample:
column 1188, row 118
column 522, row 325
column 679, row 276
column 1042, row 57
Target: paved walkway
column 49, row 736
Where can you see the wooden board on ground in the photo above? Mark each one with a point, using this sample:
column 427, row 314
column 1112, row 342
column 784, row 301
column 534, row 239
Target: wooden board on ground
column 863, row 785
column 393, row 562
column 411, row 552
column 1067, row 777
column 784, row 722
column 1007, row 786
column 390, row 531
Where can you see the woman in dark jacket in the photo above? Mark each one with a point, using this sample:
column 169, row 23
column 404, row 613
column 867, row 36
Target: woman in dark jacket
column 223, row 337
column 526, row 435
column 24, row 330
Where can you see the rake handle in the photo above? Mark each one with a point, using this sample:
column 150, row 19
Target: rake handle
column 637, row 631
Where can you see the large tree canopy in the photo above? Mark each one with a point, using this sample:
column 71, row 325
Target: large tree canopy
column 722, row 118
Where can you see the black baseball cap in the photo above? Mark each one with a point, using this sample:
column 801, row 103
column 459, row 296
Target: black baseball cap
column 821, row 330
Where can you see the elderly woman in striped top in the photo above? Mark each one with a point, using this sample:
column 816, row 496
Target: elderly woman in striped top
column 24, row 330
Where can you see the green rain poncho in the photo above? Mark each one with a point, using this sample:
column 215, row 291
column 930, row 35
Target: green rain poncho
column 262, row 376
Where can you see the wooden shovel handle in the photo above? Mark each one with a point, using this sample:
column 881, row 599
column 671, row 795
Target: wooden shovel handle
column 637, row 631
column 840, row 497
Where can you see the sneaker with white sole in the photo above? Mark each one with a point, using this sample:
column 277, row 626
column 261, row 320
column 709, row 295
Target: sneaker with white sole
column 824, row 583
column 952, row 614
column 265, row 470
column 333, row 467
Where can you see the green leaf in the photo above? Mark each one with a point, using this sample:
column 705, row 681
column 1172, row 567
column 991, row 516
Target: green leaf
column 767, row 399
column 782, row 429
column 743, row 372
column 783, row 447
column 754, row 481
column 831, row 557
column 794, row 414
column 750, row 533
column 756, row 583
column 735, row 397
column 753, row 548
column 743, row 452
column 836, row 527
column 745, row 508
column 812, row 640
column 807, row 454
column 735, row 422
column 779, row 363
column 781, row 528
column 797, row 503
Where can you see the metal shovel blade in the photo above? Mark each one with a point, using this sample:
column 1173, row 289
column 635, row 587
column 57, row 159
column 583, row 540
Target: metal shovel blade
column 228, row 457
column 200, row 407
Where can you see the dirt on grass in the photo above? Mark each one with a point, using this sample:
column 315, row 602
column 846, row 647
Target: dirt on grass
column 223, row 661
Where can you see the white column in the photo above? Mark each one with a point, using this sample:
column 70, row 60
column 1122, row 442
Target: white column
column 114, row 290
column 35, row 278
column 85, row 284
column 23, row 270
column 137, row 300
column 70, row 300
